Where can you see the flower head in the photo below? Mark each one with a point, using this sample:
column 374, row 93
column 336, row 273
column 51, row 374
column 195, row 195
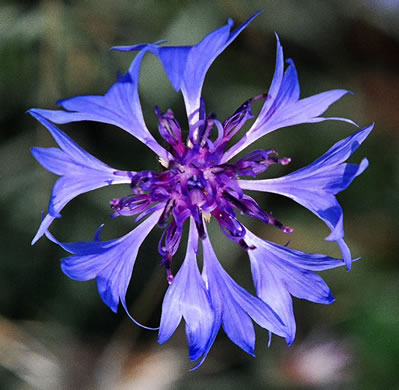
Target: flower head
column 201, row 180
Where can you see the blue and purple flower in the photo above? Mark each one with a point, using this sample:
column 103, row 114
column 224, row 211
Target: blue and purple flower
column 202, row 178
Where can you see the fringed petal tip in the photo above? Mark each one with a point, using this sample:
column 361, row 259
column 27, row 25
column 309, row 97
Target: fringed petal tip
column 328, row 299
column 200, row 363
column 349, row 263
column 109, row 262
column 236, row 308
column 288, row 272
column 137, row 47
column 284, row 107
column 36, row 238
column 290, row 340
column 46, row 221
column 123, row 302
column 256, row 14
column 114, row 305
column 186, row 66
column 35, row 112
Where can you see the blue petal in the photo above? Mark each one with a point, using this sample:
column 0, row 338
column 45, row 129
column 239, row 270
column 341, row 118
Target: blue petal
column 120, row 106
column 283, row 107
column 186, row 66
column 80, row 172
column 72, row 152
column 236, row 322
column 187, row 297
column 316, row 185
column 109, row 262
column 272, row 290
column 280, row 272
column 343, row 149
column 235, row 306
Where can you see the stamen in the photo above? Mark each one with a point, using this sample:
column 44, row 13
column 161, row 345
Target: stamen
column 233, row 124
column 248, row 206
column 167, row 262
column 130, row 205
column 163, row 219
column 194, row 184
column 284, row 161
column 163, row 162
column 169, row 276
column 170, row 130
column 199, row 223
column 209, row 125
column 197, row 131
column 169, row 242
column 230, row 225
column 245, row 246
column 278, row 224
column 207, row 216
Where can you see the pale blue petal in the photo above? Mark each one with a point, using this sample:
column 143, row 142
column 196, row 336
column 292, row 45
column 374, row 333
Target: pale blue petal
column 187, row 297
column 283, row 107
column 174, row 60
column 293, row 257
column 276, row 81
column 120, row 106
column 280, row 272
column 343, row 149
column 135, row 47
column 235, row 321
column 54, row 160
column 186, row 66
column 316, row 185
column 80, row 172
column 171, row 311
column 238, row 325
column 109, row 262
column 235, row 306
column 75, row 153
column 292, row 267
column 272, row 290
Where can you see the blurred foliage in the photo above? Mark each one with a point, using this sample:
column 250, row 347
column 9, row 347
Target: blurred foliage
column 55, row 333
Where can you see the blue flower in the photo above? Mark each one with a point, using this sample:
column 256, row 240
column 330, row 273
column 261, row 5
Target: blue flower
column 200, row 181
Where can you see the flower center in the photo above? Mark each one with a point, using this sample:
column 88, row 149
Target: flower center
column 196, row 183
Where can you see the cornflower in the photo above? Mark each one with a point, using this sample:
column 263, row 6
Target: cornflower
column 202, row 178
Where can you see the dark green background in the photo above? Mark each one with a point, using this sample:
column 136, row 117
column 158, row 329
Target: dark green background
column 56, row 333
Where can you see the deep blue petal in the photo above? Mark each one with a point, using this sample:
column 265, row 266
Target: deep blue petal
column 289, row 89
column 174, row 60
column 186, row 66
